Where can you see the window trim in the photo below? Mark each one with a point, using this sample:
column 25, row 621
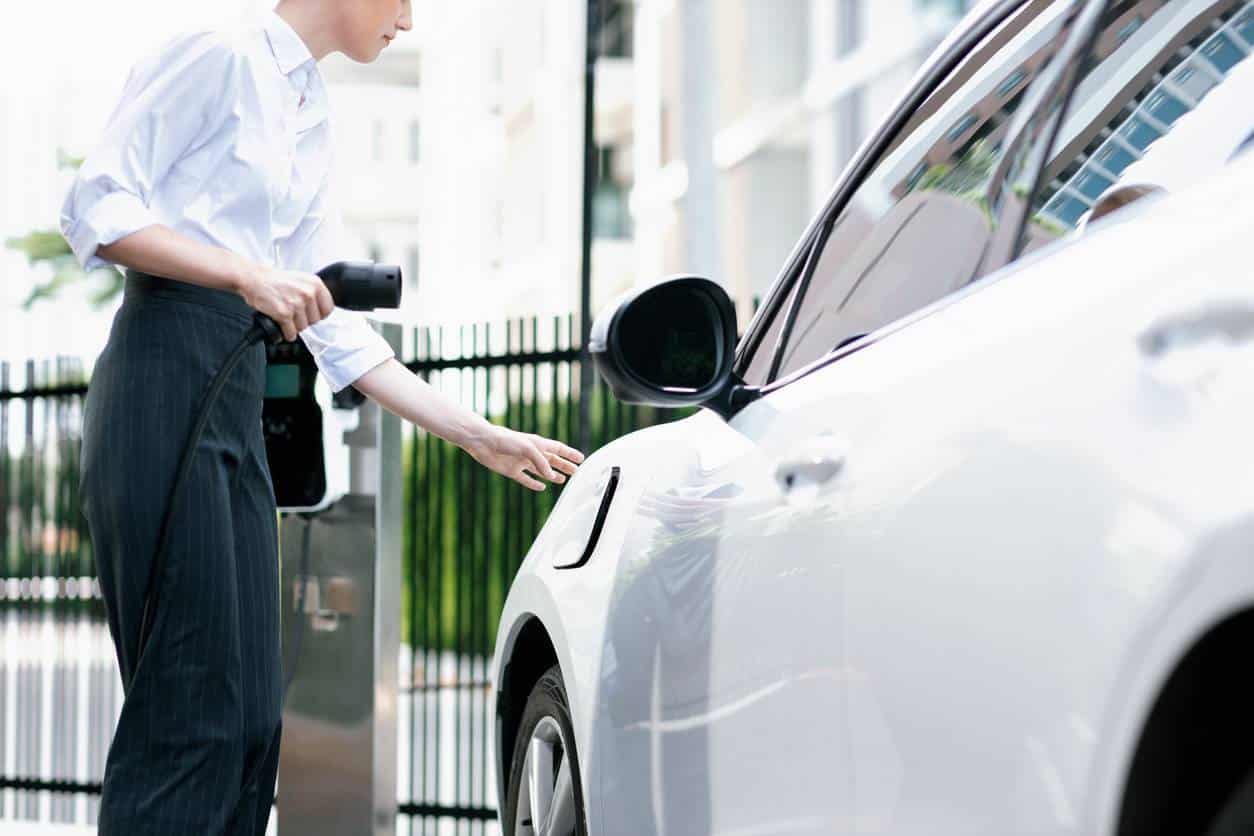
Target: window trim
column 863, row 163
column 871, row 155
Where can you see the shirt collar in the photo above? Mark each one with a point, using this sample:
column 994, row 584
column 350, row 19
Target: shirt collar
column 289, row 50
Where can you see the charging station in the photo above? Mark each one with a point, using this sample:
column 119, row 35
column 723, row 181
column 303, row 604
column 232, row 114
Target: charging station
column 336, row 467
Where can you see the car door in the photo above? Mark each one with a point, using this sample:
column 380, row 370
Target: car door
column 724, row 682
column 967, row 449
column 720, row 642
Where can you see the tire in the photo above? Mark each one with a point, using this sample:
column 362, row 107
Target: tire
column 1237, row 816
column 543, row 750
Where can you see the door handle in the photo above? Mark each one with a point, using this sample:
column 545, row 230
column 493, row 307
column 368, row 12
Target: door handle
column 813, row 464
column 1232, row 322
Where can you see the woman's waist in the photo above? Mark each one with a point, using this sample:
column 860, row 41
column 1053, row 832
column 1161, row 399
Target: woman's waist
column 140, row 286
column 173, row 336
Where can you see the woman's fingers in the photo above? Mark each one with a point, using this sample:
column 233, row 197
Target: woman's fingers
column 566, row 452
column 539, row 463
column 312, row 312
column 564, row 465
column 528, row 458
column 557, row 451
column 325, row 303
column 527, row 481
column 288, row 327
column 300, row 319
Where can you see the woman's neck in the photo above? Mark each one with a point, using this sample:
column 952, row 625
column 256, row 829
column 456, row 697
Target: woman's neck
column 311, row 20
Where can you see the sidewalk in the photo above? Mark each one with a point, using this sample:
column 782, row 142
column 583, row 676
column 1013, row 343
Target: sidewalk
column 8, row 827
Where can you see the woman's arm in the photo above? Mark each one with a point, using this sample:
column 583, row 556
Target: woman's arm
column 293, row 299
column 161, row 251
column 503, row 450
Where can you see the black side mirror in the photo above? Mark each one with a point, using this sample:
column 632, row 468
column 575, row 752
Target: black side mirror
column 670, row 344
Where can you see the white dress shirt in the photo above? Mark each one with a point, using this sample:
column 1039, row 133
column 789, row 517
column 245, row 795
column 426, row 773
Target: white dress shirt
column 223, row 136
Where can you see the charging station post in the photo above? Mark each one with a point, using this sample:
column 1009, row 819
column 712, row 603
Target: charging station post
column 340, row 585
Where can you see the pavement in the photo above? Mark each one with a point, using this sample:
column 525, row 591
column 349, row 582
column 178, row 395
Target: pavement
column 9, row 827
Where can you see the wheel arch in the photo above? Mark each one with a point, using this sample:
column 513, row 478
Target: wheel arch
column 1195, row 745
column 530, row 654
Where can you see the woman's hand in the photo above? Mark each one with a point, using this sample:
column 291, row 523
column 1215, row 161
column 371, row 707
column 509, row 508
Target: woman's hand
column 294, row 300
column 520, row 456
column 523, row 456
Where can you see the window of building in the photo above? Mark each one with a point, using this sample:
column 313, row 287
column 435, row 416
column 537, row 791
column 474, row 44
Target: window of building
column 916, row 176
column 928, row 218
column 611, row 216
column 1128, row 28
column 848, row 26
column 376, row 145
column 964, row 125
column 414, row 141
column 954, row 7
column 1200, row 81
column 1016, row 78
column 850, row 123
column 411, row 270
column 617, row 28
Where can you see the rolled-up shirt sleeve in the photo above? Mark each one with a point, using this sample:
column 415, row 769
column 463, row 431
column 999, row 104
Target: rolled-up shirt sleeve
column 172, row 101
column 343, row 345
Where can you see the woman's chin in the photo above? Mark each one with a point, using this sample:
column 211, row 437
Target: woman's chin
column 365, row 56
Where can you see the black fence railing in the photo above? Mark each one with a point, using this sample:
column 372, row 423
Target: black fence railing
column 465, row 532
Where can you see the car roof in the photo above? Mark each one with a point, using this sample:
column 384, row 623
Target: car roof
column 972, row 18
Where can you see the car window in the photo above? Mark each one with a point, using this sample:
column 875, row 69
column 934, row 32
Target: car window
column 1166, row 99
column 923, row 223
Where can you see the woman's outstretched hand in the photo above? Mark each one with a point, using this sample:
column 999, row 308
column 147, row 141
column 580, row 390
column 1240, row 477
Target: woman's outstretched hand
column 525, row 456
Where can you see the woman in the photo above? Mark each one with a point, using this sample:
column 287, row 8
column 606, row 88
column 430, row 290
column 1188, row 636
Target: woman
column 210, row 183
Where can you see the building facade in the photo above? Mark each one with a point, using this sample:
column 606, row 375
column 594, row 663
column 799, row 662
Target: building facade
column 377, row 129
column 721, row 126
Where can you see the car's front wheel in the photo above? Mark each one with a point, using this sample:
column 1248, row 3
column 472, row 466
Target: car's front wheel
column 545, row 793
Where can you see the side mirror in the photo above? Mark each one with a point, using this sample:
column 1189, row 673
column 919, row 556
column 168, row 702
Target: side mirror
column 670, row 344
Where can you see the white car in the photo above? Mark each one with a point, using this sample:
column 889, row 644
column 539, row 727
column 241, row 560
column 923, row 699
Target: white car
column 962, row 541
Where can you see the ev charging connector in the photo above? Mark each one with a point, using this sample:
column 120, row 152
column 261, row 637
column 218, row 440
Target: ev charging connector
column 303, row 422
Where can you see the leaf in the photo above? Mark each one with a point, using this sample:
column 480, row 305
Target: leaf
column 48, row 246
column 114, row 284
column 40, row 245
column 65, row 161
column 50, row 288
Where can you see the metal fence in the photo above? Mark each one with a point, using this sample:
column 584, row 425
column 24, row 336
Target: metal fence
column 465, row 533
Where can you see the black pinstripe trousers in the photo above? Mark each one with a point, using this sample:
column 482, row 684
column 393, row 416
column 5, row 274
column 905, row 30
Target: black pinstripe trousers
column 202, row 707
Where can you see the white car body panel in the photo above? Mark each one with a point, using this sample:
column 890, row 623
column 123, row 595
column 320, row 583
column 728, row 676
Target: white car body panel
column 1044, row 498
